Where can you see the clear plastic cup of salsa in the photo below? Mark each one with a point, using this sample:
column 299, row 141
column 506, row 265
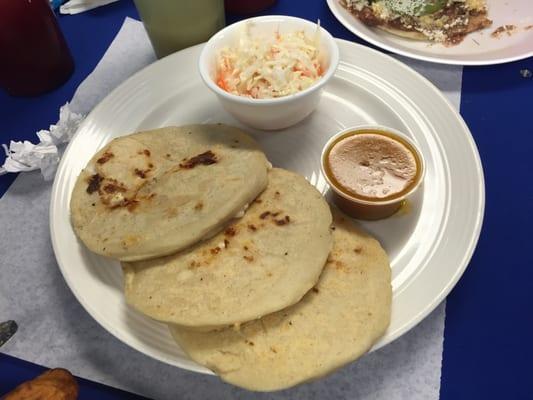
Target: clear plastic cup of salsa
column 372, row 170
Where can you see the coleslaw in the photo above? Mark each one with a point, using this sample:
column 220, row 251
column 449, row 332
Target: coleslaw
column 263, row 67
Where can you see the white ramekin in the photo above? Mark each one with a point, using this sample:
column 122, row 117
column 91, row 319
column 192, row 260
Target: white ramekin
column 277, row 113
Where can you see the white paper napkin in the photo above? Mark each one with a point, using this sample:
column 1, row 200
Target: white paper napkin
column 78, row 6
column 45, row 155
column 56, row 331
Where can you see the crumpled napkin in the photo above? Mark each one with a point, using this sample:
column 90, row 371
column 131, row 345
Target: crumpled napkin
column 27, row 156
column 121, row 60
column 78, row 6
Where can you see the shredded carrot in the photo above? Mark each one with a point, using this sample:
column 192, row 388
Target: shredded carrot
column 268, row 67
column 221, row 82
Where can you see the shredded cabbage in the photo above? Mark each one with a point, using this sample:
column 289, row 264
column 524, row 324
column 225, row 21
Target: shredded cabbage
column 268, row 67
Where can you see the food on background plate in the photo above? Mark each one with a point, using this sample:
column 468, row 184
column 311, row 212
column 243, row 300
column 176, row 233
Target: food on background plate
column 153, row 193
column 444, row 21
column 259, row 264
column 270, row 65
column 335, row 323
column 54, row 384
column 507, row 29
column 371, row 170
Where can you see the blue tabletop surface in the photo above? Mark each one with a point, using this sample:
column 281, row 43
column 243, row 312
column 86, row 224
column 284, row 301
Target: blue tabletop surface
column 489, row 315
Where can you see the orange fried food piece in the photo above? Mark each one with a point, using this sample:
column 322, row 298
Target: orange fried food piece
column 55, row 384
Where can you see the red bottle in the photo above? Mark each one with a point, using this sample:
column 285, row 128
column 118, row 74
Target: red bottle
column 247, row 6
column 34, row 57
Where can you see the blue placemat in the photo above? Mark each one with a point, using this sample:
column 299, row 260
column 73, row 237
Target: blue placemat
column 489, row 314
column 487, row 348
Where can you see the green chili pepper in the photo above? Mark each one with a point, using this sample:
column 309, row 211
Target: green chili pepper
column 416, row 8
column 431, row 6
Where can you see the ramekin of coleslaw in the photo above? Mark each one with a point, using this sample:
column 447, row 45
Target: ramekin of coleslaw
column 269, row 72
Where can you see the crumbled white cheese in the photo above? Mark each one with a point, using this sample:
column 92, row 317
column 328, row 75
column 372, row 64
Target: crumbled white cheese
column 434, row 35
column 409, row 7
column 356, row 4
column 381, row 10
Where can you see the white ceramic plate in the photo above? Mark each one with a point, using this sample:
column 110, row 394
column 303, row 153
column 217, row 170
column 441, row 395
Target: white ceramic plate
column 478, row 48
column 429, row 246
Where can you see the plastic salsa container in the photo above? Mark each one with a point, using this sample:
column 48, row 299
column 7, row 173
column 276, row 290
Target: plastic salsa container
column 371, row 170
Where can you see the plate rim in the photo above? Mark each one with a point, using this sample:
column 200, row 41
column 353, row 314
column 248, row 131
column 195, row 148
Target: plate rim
column 438, row 298
column 332, row 5
column 481, row 206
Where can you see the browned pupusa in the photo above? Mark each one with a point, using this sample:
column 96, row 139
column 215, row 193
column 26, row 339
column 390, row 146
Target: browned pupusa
column 260, row 263
column 335, row 323
column 156, row 192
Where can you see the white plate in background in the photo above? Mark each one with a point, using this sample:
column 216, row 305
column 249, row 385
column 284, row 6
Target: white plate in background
column 478, row 48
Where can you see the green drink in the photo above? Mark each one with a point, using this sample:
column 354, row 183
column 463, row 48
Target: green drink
column 173, row 25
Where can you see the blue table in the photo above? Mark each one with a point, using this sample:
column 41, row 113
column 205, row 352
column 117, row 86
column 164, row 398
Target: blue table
column 489, row 315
